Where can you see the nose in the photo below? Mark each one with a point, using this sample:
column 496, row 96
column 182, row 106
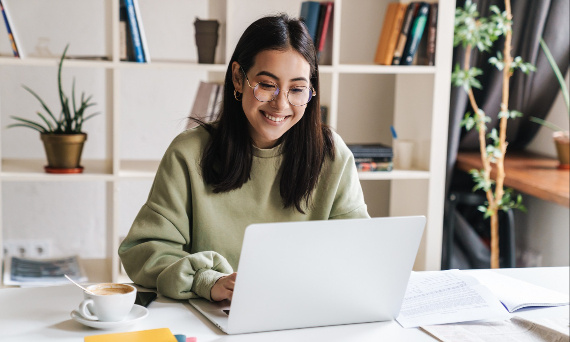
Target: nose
column 280, row 101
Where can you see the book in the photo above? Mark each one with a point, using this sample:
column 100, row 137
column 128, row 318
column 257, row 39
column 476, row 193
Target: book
column 323, row 27
column 444, row 297
column 390, row 32
column 207, row 103
column 215, row 103
column 371, row 151
column 455, row 296
column 517, row 294
column 372, row 157
column 201, row 101
column 41, row 272
column 415, row 34
column 135, row 33
column 310, row 16
column 403, row 37
column 431, row 33
column 324, row 114
column 125, row 41
column 420, row 57
column 374, row 166
column 517, row 328
column 14, row 42
column 151, row 335
column 142, row 35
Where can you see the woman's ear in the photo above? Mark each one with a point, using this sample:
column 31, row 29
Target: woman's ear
column 237, row 77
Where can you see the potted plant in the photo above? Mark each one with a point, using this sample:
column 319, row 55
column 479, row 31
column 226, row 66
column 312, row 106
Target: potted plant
column 561, row 136
column 63, row 137
column 473, row 32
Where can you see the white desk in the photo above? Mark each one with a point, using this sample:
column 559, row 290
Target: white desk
column 42, row 314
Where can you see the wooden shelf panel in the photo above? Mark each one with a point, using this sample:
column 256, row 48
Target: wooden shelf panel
column 107, row 64
column 173, row 65
column 176, row 64
column 33, row 170
column 385, row 69
column 394, row 174
column 528, row 173
column 145, row 169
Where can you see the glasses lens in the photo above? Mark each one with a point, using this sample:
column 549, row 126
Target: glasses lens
column 265, row 91
column 299, row 96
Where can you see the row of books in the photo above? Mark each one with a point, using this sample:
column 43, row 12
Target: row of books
column 133, row 45
column 372, row 157
column 408, row 32
column 317, row 17
column 14, row 42
column 42, row 272
column 207, row 103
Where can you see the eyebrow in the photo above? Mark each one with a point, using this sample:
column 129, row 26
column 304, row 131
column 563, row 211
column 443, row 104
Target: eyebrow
column 267, row 73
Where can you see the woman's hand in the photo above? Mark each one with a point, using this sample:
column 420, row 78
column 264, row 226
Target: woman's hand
column 223, row 288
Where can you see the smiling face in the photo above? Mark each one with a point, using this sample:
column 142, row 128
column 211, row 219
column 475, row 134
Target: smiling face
column 268, row 121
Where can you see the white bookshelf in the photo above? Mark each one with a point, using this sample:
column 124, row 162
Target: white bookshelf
column 415, row 99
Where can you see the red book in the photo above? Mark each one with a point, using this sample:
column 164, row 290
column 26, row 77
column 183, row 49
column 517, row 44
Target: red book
column 324, row 23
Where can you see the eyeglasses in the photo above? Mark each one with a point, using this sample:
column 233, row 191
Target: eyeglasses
column 267, row 91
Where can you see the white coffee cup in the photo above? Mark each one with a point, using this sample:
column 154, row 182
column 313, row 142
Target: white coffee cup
column 110, row 302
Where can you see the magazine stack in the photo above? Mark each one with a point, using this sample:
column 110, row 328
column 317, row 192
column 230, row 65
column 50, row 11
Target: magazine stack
column 372, row 157
column 42, row 272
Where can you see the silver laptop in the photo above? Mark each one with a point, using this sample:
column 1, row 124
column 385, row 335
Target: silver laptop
column 318, row 273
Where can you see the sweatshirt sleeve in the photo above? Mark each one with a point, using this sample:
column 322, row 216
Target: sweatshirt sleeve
column 155, row 251
column 348, row 199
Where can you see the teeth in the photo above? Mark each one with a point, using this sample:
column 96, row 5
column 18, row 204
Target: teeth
column 272, row 118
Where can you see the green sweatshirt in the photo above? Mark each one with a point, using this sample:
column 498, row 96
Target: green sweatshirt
column 186, row 237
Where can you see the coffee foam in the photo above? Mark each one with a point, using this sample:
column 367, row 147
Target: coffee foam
column 110, row 289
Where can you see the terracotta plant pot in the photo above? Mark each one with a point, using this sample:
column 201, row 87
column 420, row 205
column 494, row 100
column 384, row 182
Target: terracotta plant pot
column 562, row 142
column 63, row 152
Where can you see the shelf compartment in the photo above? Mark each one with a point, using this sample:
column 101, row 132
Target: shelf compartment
column 85, row 62
column 385, row 69
column 33, row 170
column 144, row 169
column 177, row 65
column 108, row 64
column 394, row 174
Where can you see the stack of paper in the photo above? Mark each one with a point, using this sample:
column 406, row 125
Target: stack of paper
column 447, row 297
column 480, row 303
column 455, row 296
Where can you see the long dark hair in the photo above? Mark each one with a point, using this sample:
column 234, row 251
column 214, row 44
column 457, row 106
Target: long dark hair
column 227, row 159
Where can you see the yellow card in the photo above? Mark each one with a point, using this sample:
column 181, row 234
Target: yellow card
column 152, row 335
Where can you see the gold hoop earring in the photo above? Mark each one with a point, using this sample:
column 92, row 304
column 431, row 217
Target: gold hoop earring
column 237, row 95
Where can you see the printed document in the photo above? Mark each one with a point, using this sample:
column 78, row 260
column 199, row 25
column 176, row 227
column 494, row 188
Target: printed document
column 517, row 329
column 517, row 294
column 441, row 297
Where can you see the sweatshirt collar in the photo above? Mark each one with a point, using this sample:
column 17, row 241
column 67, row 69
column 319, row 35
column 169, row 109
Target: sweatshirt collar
column 268, row 152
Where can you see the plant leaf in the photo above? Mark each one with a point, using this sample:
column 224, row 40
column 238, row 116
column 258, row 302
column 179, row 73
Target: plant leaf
column 28, row 123
column 557, row 72
column 546, row 124
column 41, row 101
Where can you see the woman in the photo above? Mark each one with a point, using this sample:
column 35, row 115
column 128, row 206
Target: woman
column 267, row 159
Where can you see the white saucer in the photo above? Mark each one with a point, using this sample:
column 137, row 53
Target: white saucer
column 137, row 313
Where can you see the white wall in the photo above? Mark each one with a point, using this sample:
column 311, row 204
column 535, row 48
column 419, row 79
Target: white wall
column 542, row 233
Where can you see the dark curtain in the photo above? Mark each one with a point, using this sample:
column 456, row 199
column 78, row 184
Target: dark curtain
column 531, row 94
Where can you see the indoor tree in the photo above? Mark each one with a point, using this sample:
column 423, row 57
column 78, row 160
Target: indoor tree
column 475, row 32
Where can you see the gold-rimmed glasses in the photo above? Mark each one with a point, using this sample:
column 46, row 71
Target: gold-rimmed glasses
column 267, row 91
